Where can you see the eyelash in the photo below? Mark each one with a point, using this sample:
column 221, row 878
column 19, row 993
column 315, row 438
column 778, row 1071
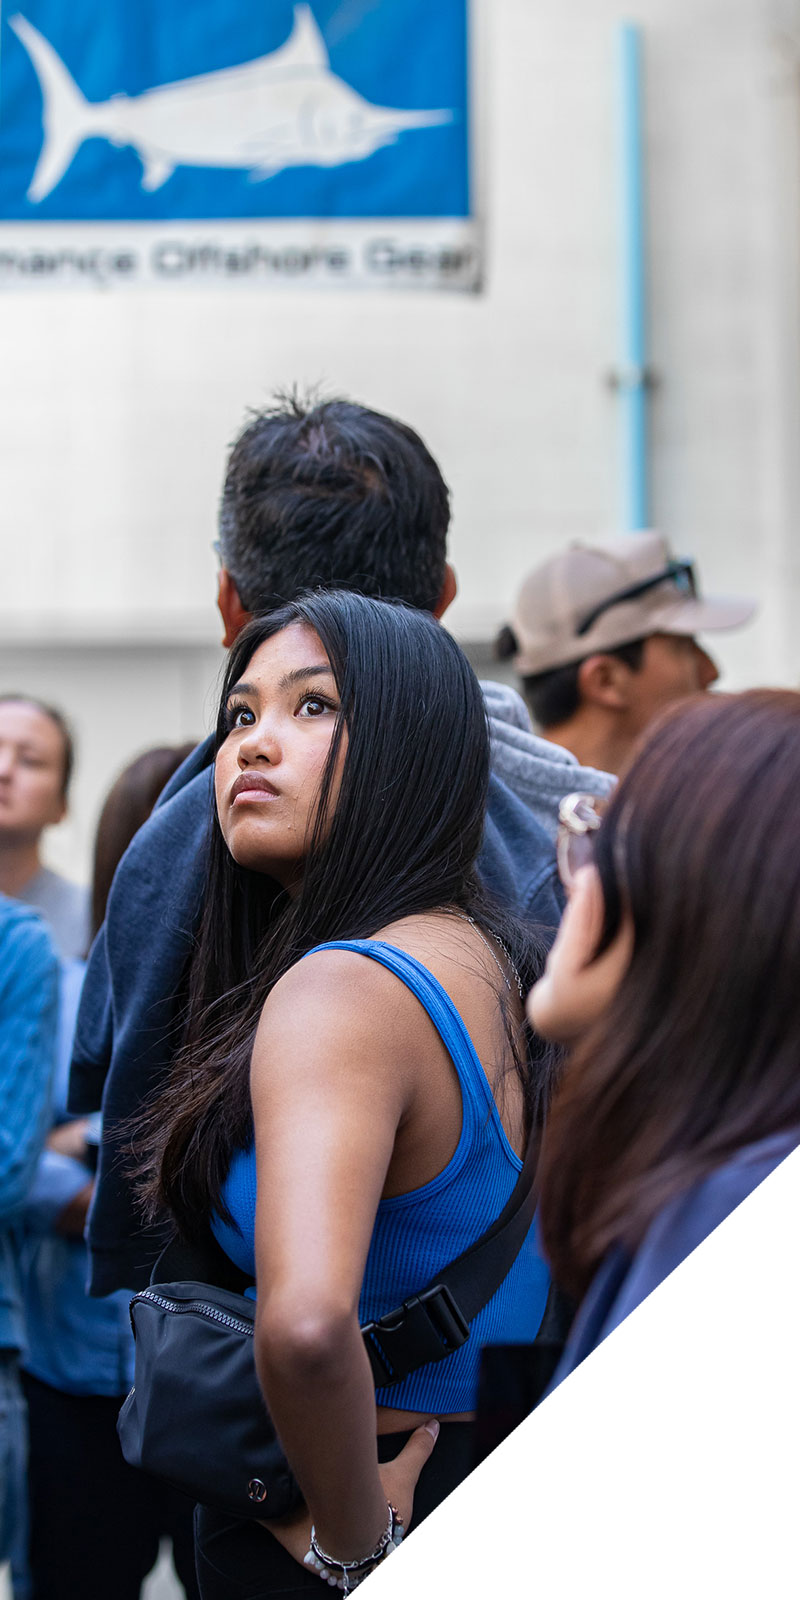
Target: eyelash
column 321, row 699
column 236, row 707
column 232, row 711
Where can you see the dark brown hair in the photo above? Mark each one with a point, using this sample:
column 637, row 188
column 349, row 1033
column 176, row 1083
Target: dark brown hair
column 698, row 1054
column 127, row 806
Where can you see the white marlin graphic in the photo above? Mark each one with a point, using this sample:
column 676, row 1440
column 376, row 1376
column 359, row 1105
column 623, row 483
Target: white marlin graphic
column 286, row 109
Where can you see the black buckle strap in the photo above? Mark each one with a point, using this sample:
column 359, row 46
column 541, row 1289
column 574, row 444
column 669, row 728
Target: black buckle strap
column 427, row 1327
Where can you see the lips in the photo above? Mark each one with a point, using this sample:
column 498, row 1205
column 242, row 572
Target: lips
column 253, row 786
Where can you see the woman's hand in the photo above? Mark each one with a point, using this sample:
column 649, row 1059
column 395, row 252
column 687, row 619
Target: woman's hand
column 399, row 1481
column 578, row 985
column 400, row 1477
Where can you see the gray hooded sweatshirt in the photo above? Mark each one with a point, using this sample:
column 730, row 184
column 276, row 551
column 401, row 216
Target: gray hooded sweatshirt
column 539, row 772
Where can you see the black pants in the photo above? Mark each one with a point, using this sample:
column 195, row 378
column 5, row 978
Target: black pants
column 95, row 1522
column 241, row 1561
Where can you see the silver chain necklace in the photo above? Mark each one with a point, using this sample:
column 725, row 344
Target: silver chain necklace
column 463, row 917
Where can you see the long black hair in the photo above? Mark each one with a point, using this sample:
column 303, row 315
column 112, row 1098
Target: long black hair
column 402, row 839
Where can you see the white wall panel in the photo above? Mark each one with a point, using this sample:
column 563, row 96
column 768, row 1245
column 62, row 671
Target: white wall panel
column 116, row 410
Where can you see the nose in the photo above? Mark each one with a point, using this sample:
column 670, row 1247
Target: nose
column 707, row 670
column 260, row 745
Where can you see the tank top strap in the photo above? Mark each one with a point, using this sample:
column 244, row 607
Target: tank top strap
column 447, row 1020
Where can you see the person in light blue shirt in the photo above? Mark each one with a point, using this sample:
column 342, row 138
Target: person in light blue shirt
column 95, row 1523
column 37, row 756
column 28, row 1016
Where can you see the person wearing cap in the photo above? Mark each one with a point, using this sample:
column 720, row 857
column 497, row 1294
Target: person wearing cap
column 603, row 636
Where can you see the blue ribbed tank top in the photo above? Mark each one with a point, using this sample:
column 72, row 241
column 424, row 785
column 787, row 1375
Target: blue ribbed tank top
column 418, row 1233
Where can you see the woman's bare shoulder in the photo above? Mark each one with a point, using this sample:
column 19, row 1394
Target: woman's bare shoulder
column 325, row 974
column 335, row 992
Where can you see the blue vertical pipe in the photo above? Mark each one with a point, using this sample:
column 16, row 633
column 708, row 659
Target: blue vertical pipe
column 632, row 370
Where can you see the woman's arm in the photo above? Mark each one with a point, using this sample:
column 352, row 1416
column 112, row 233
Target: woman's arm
column 332, row 1078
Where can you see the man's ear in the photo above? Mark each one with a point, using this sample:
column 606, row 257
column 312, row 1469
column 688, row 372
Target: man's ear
column 448, row 594
column 231, row 610
column 605, row 681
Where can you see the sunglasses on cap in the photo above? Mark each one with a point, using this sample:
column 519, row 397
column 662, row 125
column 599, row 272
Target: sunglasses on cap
column 680, row 574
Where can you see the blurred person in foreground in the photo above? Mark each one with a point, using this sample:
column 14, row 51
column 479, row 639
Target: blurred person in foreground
column 673, row 984
column 36, row 761
column 328, row 495
column 28, row 1015
column 95, row 1522
column 603, row 637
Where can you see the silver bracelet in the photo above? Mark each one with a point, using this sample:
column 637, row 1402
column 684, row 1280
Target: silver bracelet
column 347, row 1575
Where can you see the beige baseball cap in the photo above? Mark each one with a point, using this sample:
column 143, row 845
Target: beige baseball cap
column 596, row 597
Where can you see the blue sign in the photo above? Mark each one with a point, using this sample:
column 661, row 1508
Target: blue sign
column 203, row 109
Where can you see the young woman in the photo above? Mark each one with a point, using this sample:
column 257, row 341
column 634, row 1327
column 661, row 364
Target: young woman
column 673, row 981
column 355, row 1093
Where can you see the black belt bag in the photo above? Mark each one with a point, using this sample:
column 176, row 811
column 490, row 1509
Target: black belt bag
column 196, row 1415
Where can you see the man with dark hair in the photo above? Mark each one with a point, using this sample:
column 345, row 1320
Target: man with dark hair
column 330, row 494
column 603, row 636
column 36, row 761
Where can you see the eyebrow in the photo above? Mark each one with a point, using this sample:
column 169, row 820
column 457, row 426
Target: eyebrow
column 300, row 673
column 26, row 748
column 297, row 675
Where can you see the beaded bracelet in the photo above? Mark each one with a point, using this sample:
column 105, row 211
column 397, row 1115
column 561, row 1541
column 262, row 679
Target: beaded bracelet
column 347, row 1575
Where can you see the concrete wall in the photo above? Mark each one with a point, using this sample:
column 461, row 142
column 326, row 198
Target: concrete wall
column 115, row 410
